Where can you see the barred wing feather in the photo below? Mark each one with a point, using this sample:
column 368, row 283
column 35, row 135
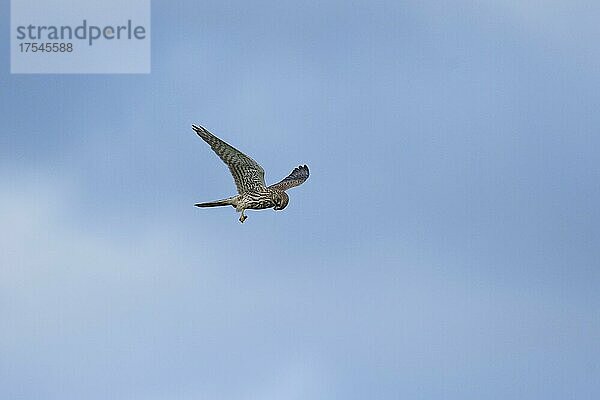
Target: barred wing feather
column 247, row 173
column 296, row 178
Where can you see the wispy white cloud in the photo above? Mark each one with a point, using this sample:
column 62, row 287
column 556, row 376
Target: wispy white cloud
column 78, row 299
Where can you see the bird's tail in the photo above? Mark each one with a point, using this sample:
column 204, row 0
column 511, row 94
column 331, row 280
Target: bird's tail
column 217, row 203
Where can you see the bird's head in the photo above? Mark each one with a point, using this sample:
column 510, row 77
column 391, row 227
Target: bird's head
column 281, row 200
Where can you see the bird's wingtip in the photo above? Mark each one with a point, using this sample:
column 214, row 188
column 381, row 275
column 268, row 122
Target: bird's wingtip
column 200, row 130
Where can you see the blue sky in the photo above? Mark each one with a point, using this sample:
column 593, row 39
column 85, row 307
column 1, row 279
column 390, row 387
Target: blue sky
column 445, row 245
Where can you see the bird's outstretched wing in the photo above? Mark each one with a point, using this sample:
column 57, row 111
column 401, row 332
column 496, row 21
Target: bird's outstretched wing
column 296, row 178
column 247, row 173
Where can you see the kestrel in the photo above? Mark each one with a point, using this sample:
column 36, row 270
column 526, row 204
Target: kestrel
column 249, row 178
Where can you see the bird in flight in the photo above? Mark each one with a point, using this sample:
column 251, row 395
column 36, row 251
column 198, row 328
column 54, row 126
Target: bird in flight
column 249, row 178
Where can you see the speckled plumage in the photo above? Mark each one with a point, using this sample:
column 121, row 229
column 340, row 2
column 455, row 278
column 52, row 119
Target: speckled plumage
column 249, row 179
